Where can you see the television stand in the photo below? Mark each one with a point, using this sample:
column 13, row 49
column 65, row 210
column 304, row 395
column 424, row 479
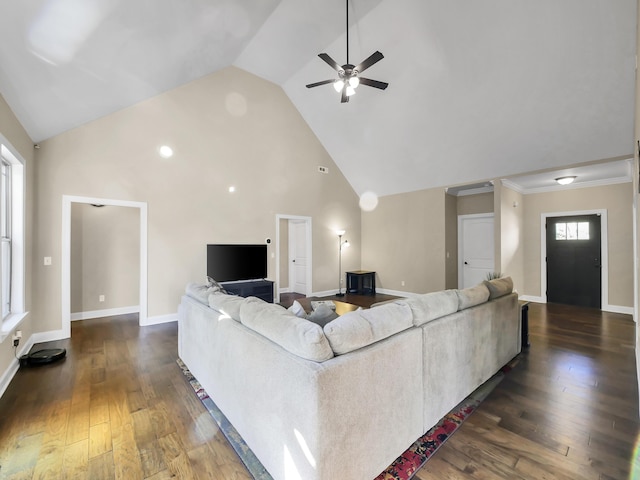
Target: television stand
column 251, row 288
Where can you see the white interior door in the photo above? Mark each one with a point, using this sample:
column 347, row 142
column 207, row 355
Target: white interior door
column 298, row 258
column 475, row 249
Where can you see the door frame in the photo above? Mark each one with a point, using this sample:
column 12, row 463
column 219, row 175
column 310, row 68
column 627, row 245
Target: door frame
column 67, row 200
column 461, row 219
column 604, row 253
column 308, row 230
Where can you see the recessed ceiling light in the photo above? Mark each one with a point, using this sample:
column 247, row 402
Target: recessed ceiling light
column 232, row 189
column 565, row 180
column 165, row 151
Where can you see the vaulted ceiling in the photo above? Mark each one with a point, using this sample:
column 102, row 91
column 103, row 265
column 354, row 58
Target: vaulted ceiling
column 478, row 90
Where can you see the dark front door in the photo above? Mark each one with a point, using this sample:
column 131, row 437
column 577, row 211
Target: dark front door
column 573, row 260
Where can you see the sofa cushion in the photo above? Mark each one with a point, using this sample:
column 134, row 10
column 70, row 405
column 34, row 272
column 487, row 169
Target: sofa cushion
column 499, row 287
column 472, row 296
column 296, row 335
column 360, row 328
column 229, row 304
column 429, row 306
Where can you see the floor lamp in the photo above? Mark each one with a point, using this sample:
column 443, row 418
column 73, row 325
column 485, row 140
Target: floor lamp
column 341, row 244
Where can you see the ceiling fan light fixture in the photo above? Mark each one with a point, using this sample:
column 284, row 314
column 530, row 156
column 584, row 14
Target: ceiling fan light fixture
column 566, row 180
column 348, row 74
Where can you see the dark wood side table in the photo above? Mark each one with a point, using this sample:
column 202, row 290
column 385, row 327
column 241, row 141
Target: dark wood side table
column 524, row 323
column 361, row 282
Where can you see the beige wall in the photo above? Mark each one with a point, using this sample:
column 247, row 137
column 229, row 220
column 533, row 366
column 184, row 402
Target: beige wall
column 13, row 132
column 512, row 237
column 403, row 239
column 105, row 257
column 451, row 241
column 228, row 128
column 474, row 204
column 617, row 200
column 284, row 253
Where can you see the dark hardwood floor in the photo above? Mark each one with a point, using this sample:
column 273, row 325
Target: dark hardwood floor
column 119, row 407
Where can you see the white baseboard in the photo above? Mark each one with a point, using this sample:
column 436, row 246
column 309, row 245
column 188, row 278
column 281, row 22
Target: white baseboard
column 604, row 308
column 617, row 309
column 109, row 312
column 326, row 293
column 396, row 293
column 13, row 367
column 158, row 319
column 532, row 298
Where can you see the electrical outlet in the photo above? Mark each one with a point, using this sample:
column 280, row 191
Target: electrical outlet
column 322, row 169
column 16, row 340
column 18, row 334
column 47, row 261
column 101, row 298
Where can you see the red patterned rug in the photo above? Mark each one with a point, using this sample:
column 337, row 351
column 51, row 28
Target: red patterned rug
column 407, row 464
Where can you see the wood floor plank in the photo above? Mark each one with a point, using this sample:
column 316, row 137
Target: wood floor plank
column 101, row 467
column 75, row 463
column 99, row 439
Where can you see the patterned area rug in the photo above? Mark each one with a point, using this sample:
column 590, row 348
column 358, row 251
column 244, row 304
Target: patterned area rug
column 403, row 468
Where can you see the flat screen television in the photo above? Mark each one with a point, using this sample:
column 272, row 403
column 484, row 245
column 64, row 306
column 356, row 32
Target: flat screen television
column 231, row 263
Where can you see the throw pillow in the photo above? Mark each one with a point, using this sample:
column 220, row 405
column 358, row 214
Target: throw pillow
column 499, row 287
column 199, row 292
column 322, row 315
column 215, row 285
column 297, row 309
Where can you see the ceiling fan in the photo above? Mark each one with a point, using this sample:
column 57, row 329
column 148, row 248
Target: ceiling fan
column 349, row 75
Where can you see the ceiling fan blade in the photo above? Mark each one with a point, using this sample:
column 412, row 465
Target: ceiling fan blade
column 317, row 84
column 373, row 58
column 344, row 98
column 330, row 61
column 373, row 83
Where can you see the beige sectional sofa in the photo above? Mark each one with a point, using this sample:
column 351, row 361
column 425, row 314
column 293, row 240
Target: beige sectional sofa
column 345, row 400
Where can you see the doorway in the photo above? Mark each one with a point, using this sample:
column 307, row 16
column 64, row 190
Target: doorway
column 601, row 265
column 105, row 244
column 67, row 202
column 293, row 254
column 574, row 260
column 476, row 257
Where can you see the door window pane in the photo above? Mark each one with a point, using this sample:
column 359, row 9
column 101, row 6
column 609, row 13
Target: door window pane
column 583, row 231
column 572, row 231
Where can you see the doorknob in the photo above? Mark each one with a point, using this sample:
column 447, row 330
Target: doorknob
column 466, row 263
column 294, row 260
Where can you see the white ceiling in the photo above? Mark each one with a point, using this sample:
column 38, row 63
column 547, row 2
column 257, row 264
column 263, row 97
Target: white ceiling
column 478, row 90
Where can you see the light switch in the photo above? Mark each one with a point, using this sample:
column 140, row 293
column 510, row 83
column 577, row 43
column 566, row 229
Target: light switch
column 47, row 261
